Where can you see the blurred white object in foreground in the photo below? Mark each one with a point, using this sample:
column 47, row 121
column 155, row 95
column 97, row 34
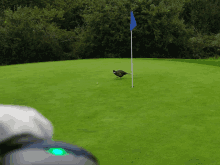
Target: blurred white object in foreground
column 16, row 120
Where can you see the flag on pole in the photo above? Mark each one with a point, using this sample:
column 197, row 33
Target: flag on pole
column 133, row 22
column 132, row 26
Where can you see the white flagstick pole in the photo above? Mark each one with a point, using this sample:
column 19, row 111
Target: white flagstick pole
column 131, row 61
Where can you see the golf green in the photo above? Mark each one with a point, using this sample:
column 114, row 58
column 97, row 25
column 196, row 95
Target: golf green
column 170, row 117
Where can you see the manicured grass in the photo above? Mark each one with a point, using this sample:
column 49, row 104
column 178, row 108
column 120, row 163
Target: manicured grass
column 170, row 117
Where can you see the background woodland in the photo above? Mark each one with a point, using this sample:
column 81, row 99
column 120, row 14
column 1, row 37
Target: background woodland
column 54, row 30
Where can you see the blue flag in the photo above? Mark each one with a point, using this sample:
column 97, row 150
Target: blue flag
column 133, row 22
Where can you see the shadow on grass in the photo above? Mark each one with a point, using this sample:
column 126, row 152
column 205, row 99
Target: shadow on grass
column 125, row 78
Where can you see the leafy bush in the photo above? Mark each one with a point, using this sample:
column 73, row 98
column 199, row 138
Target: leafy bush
column 27, row 36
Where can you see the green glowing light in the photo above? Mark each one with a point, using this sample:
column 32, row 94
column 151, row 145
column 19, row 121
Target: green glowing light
column 57, row 151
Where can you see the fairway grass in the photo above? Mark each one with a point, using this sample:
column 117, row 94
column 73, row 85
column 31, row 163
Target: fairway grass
column 170, row 117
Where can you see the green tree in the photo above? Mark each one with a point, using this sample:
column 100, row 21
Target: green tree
column 28, row 35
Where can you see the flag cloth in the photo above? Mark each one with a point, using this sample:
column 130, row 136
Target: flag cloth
column 133, row 22
column 132, row 26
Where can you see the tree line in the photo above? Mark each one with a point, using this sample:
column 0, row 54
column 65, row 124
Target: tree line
column 48, row 30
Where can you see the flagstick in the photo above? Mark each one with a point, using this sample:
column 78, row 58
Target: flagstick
column 131, row 61
column 132, row 26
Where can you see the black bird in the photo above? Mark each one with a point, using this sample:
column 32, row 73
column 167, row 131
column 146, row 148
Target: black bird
column 120, row 73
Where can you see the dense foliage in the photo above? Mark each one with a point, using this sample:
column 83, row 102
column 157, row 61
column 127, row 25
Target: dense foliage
column 49, row 30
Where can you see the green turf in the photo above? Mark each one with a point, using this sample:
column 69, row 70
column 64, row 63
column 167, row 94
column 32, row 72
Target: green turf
column 170, row 117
